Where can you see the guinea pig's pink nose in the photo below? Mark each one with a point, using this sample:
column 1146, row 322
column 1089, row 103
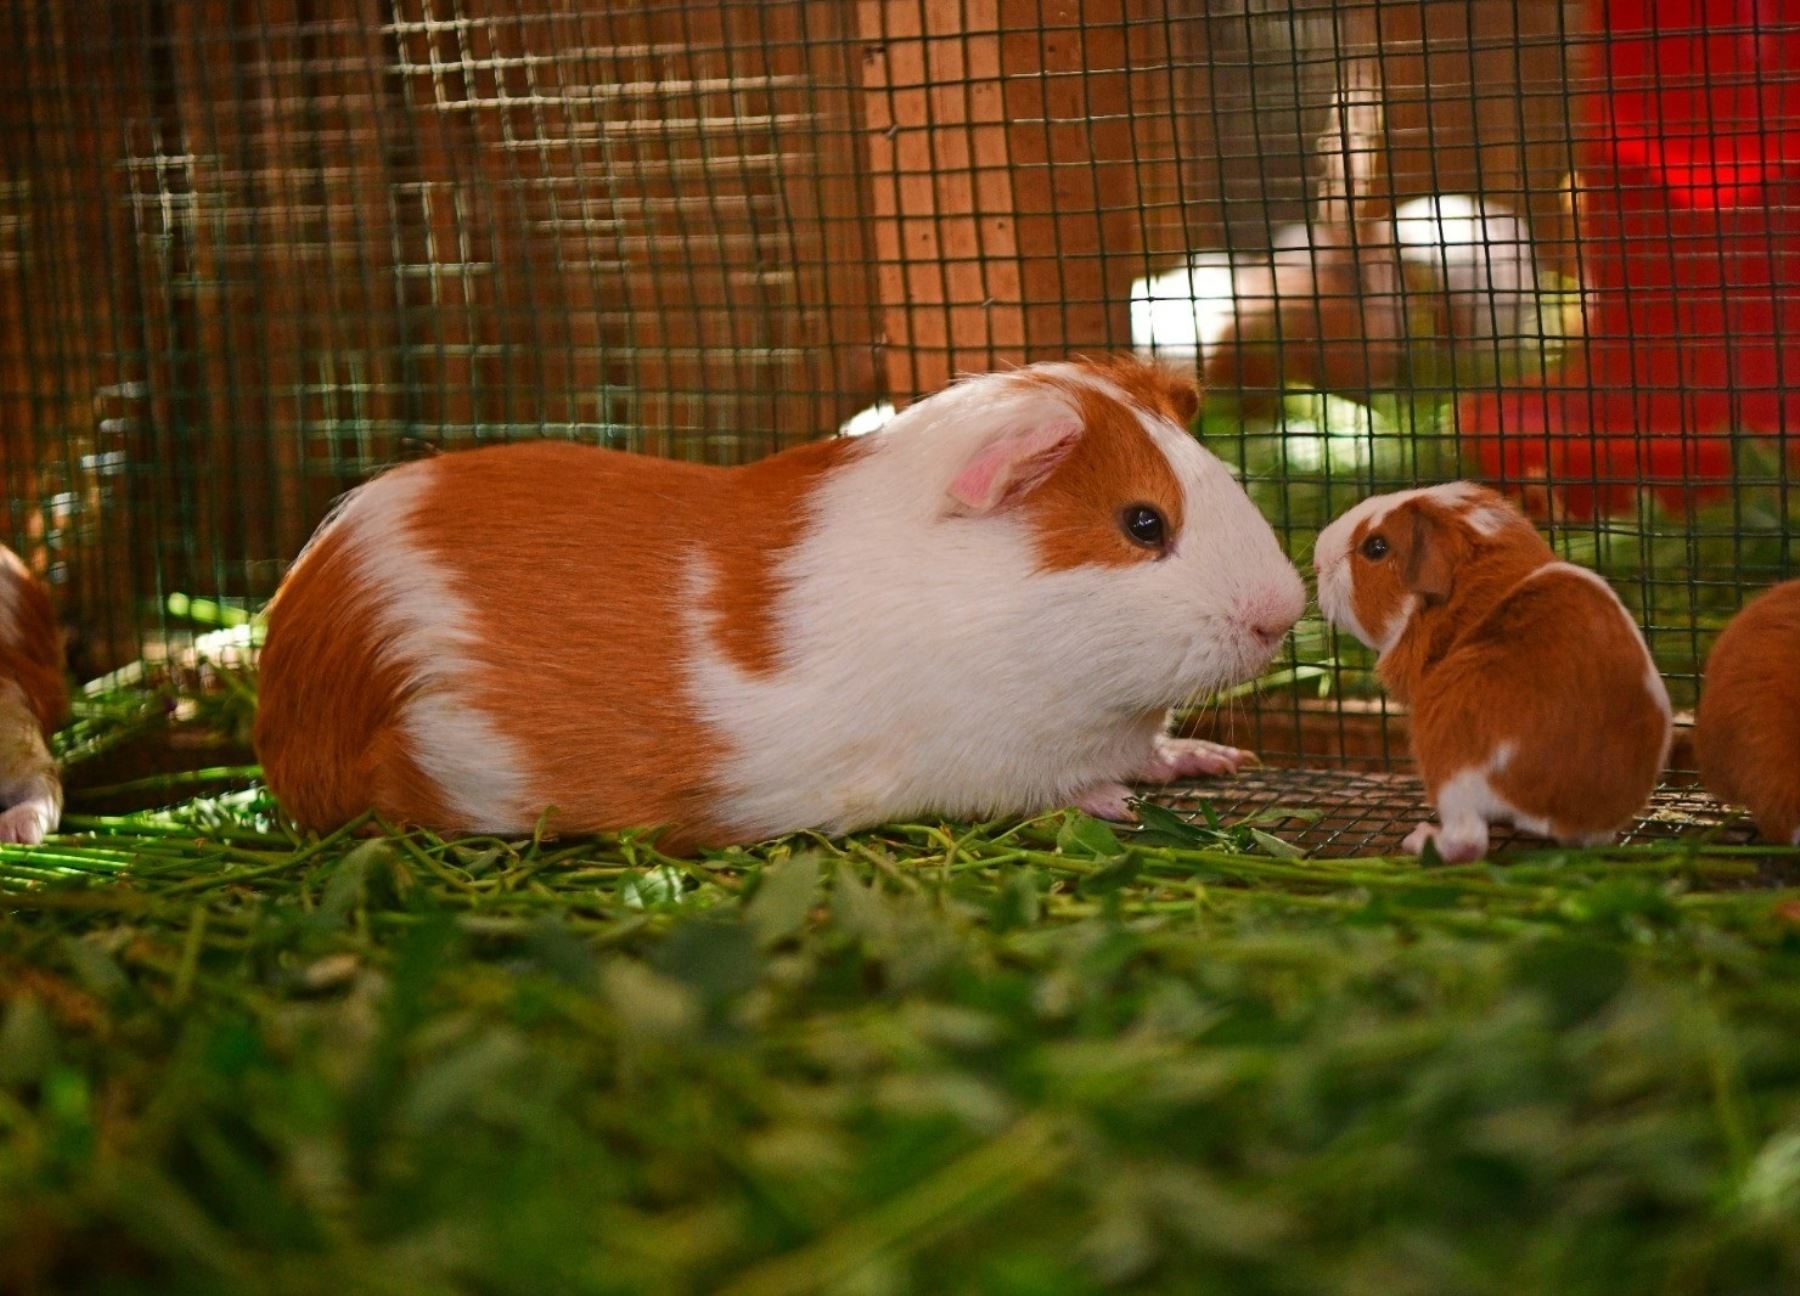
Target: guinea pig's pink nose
column 1269, row 618
column 1273, row 611
column 1269, row 633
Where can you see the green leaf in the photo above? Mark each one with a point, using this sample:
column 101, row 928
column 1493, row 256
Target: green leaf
column 1273, row 845
column 1771, row 1186
column 562, row 953
column 27, row 1040
column 1085, row 837
column 1114, row 877
column 784, row 895
column 348, row 888
column 1018, row 903
column 1276, row 814
column 1163, row 827
column 652, row 888
column 96, row 969
column 717, row 960
column 648, row 1005
column 861, row 910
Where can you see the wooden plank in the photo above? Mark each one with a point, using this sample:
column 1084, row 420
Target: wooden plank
column 944, row 225
column 1068, row 101
column 1006, row 208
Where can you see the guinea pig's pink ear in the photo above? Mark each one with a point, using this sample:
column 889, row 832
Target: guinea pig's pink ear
column 1010, row 468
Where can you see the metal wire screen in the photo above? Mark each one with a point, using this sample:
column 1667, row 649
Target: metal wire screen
column 252, row 250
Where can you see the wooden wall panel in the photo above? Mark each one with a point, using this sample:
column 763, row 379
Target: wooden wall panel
column 1004, row 189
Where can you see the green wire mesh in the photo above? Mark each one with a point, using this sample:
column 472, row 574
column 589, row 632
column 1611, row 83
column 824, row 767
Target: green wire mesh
column 251, row 252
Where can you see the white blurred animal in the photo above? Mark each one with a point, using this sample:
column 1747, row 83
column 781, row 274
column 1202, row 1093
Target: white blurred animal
column 1332, row 308
column 1476, row 256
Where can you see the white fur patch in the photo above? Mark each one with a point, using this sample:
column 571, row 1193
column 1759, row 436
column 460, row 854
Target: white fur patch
column 1466, row 804
column 928, row 666
column 12, row 574
column 423, row 626
column 1396, row 626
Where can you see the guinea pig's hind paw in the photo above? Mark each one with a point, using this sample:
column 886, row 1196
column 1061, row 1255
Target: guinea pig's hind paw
column 1177, row 758
column 25, row 824
column 1108, row 801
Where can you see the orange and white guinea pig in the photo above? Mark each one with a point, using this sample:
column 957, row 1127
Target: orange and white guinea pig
column 1533, row 698
column 986, row 608
column 1747, row 732
column 34, row 698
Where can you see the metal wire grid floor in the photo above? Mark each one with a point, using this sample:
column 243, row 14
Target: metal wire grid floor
column 1342, row 814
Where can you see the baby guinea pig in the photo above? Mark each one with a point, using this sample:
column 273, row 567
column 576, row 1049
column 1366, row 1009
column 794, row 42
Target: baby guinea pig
column 34, row 698
column 1534, row 699
column 1747, row 732
column 987, row 608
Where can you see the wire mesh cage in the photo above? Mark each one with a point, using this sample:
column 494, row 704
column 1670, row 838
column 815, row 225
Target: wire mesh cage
column 252, row 251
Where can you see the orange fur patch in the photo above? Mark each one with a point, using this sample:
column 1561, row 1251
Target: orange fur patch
column 1156, row 387
column 1747, row 732
column 583, row 611
column 1077, row 513
column 1555, row 671
column 1549, row 665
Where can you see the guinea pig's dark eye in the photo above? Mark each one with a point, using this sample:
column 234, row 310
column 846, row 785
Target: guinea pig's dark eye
column 1375, row 548
column 1145, row 526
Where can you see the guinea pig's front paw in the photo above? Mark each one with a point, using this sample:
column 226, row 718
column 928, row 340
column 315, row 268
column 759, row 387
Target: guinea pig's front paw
column 1108, row 801
column 26, row 824
column 1460, row 843
column 1417, row 839
column 1177, row 758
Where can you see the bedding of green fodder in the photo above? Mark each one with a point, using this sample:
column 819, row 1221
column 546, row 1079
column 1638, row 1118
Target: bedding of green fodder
column 1012, row 1058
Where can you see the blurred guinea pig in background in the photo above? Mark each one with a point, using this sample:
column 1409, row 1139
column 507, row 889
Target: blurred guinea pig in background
column 986, row 608
column 34, row 699
column 1747, row 731
column 1335, row 304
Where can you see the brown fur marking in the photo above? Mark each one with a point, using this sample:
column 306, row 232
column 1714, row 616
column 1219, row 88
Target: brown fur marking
column 1466, row 572
column 1077, row 513
column 1156, row 387
column 1546, row 664
column 1747, row 732
column 580, row 574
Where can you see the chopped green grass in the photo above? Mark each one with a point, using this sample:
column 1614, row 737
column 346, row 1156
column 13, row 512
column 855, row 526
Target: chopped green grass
column 1011, row 1058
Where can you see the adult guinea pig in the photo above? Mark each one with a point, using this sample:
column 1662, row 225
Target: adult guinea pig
column 34, row 698
column 984, row 609
column 1747, row 732
column 1534, row 699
